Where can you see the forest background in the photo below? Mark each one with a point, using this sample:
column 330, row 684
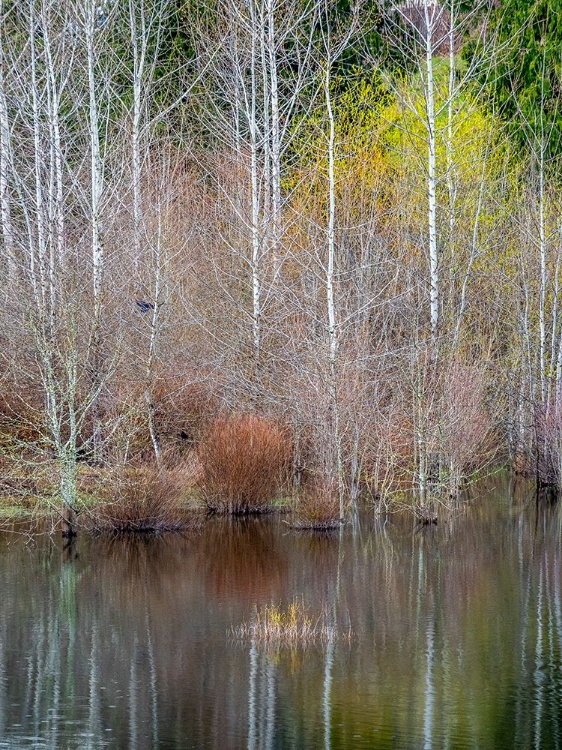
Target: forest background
column 255, row 249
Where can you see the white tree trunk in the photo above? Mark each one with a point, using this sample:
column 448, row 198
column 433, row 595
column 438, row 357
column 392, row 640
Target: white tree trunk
column 543, row 280
column 139, row 57
column 56, row 83
column 38, row 261
column 451, row 186
column 275, row 136
column 553, row 379
column 557, row 337
column 255, row 188
column 96, row 194
column 153, row 340
column 96, row 164
column 430, row 9
column 330, row 292
column 5, row 166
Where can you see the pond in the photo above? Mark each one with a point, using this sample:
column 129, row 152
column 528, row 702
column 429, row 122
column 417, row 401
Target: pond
column 450, row 635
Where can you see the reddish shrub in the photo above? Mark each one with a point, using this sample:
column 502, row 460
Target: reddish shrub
column 548, row 459
column 317, row 506
column 244, row 461
column 142, row 501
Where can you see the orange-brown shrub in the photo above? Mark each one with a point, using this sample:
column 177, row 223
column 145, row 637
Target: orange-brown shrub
column 548, row 458
column 244, row 461
column 142, row 500
column 317, row 506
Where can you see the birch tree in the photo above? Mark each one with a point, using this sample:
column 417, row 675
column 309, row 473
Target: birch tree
column 428, row 33
column 254, row 81
column 438, row 99
column 54, row 160
column 5, row 162
column 333, row 49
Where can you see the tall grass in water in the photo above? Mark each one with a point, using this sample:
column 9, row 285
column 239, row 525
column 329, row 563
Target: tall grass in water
column 293, row 626
column 244, row 462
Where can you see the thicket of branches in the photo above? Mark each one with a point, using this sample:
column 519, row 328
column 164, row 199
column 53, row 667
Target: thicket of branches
column 239, row 209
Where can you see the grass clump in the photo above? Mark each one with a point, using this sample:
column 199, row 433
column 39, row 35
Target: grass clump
column 244, row 461
column 294, row 626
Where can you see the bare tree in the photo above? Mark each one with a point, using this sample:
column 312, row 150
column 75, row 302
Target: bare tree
column 422, row 31
column 255, row 80
column 53, row 120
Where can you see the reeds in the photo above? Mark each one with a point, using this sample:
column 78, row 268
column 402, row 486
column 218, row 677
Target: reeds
column 244, row 460
column 273, row 625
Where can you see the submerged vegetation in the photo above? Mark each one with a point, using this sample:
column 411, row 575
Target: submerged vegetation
column 293, row 626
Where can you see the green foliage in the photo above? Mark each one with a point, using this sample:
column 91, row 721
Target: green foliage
column 472, row 129
column 359, row 158
column 525, row 85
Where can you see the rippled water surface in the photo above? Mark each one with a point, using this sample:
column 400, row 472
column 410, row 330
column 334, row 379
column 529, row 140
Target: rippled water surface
column 456, row 636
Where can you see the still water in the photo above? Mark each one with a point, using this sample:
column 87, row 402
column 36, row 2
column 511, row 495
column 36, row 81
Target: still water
column 456, row 636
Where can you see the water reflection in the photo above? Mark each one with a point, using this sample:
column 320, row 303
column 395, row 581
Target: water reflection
column 457, row 636
column 242, row 558
column 261, row 699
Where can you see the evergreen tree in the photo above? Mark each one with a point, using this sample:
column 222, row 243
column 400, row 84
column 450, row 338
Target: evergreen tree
column 526, row 82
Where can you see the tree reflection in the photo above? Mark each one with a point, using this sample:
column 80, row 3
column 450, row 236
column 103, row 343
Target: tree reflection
column 261, row 699
column 242, row 558
column 457, row 637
